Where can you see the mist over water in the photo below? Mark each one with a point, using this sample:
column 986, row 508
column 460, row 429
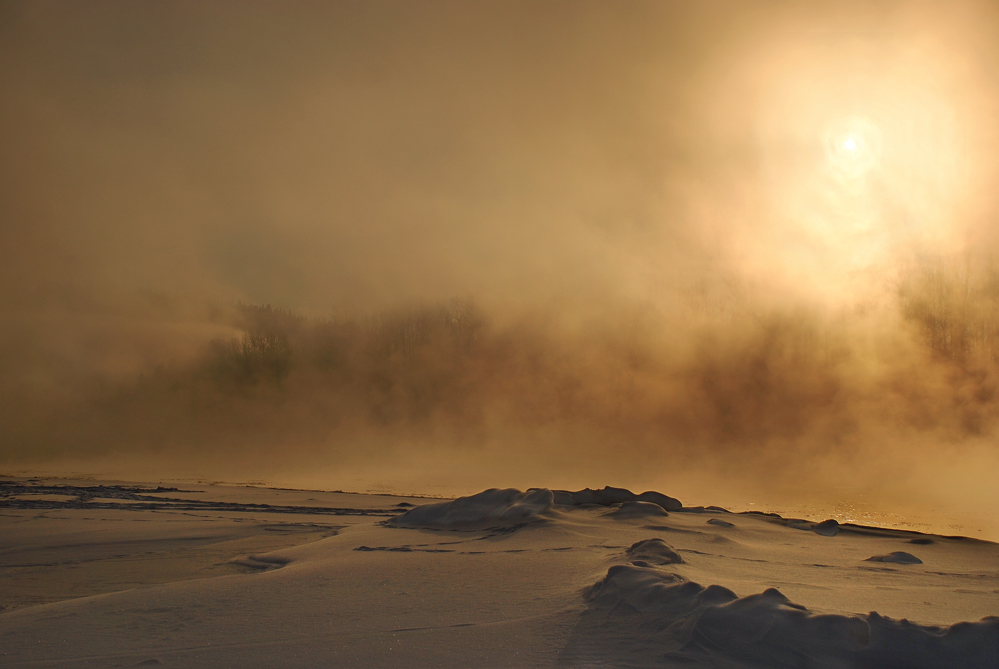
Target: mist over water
column 723, row 251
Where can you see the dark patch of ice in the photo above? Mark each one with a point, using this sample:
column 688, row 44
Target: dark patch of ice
column 898, row 557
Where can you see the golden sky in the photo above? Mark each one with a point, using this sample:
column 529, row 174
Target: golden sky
column 318, row 155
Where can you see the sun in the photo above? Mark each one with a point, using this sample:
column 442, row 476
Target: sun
column 853, row 147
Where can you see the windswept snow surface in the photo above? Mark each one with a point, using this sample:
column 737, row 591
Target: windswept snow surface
column 224, row 576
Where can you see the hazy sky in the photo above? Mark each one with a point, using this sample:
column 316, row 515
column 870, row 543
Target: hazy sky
column 317, row 155
column 659, row 166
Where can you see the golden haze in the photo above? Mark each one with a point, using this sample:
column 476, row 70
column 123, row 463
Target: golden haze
column 645, row 244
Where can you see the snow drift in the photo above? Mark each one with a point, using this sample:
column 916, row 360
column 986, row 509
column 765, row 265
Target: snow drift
column 644, row 616
column 498, row 507
column 654, row 551
column 489, row 508
column 608, row 495
column 639, row 510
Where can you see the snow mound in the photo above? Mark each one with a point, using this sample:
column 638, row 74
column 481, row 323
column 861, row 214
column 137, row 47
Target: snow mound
column 607, row 496
column 898, row 557
column 827, row 528
column 720, row 523
column 639, row 616
column 563, row 497
column 665, row 501
column 637, row 510
column 490, row 508
column 653, row 551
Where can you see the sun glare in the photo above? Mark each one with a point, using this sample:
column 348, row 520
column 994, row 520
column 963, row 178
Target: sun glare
column 854, row 147
column 863, row 164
